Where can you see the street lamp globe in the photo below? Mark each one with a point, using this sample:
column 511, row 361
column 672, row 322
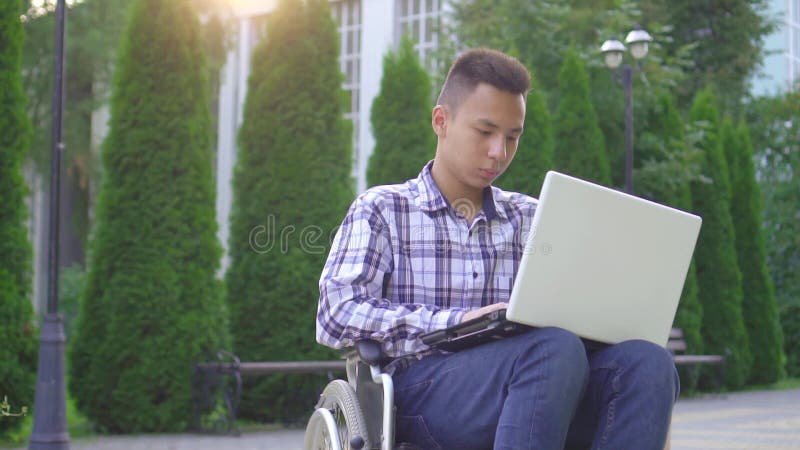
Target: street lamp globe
column 639, row 40
column 612, row 50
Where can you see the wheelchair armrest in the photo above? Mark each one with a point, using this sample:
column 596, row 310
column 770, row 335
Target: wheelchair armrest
column 370, row 352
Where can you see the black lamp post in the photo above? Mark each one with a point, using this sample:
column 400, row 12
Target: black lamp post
column 613, row 51
column 49, row 407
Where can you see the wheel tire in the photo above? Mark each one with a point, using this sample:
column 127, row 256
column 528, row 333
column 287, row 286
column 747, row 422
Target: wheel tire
column 317, row 436
column 340, row 399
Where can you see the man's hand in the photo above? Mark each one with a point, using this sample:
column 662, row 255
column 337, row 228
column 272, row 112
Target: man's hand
column 475, row 313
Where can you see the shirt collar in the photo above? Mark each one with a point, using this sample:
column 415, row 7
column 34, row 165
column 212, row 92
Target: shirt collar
column 432, row 198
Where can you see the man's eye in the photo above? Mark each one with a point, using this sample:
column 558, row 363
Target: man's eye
column 484, row 132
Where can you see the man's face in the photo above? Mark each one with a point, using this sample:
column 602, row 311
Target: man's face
column 478, row 142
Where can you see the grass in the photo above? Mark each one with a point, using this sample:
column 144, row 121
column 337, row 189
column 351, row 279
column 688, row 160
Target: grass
column 780, row 385
column 77, row 424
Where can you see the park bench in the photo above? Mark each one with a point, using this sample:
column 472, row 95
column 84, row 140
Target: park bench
column 219, row 384
column 677, row 346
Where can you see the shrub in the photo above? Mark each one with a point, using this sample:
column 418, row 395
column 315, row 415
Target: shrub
column 153, row 307
column 534, row 156
column 718, row 274
column 18, row 336
column 579, row 143
column 291, row 187
column 758, row 307
column 401, row 119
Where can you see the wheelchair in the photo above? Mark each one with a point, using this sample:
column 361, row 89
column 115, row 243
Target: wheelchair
column 357, row 414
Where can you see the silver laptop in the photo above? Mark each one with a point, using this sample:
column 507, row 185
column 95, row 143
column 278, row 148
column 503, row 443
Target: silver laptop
column 605, row 265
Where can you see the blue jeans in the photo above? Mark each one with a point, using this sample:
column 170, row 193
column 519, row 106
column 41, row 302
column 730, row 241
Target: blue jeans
column 544, row 389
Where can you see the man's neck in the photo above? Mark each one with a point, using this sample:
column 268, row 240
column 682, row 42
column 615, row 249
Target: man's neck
column 463, row 199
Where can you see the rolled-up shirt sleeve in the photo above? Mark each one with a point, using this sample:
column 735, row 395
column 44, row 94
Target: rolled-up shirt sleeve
column 352, row 305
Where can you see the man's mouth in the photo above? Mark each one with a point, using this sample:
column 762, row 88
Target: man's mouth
column 488, row 173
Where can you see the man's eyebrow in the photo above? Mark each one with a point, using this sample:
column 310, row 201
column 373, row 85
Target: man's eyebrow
column 491, row 124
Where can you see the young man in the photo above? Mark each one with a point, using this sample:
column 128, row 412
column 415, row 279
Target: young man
column 444, row 248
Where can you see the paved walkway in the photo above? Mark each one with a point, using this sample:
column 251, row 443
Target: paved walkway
column 767, row 420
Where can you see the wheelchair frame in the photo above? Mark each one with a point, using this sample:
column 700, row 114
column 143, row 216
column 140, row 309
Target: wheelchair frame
column 364, row 405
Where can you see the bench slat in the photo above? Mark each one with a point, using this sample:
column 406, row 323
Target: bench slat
column 266, row 368
column 698, row 359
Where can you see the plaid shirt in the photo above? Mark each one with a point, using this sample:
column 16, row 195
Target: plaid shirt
column 405, row 262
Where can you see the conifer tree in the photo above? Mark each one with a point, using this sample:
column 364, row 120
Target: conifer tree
column 759, row 306
column 719, row 277
column 659, row 145
column 153, row 307
column 18, row 337
column 401, row 119
column 579, row 144
column 292, row 186
column 534, row 155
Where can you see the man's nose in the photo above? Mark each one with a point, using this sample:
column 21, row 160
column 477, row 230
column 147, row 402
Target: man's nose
column 499, row 149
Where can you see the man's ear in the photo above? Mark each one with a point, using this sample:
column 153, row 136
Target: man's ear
column 439, row 120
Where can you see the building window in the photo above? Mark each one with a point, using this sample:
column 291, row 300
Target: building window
column 348, row 17
column 419, row 20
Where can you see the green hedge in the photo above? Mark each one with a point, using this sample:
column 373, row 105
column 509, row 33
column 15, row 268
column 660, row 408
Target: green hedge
column 401, row 119
column 292, row 186
column 18, row 335
column 152, row 306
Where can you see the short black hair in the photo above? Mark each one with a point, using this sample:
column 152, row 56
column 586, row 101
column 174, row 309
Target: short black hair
column 483, row 65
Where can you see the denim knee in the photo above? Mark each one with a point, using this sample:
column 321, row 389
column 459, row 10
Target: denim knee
column 567, row 355
column 652, row 368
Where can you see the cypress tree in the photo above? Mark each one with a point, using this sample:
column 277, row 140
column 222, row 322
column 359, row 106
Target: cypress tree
column 662, row 141
column 18, row 335
column 401, row 119
column 534, row 156
column 759, row 306
column 579, row 147
column 292, row 186
column 153, row 307
column 790, row 322
column 719, row 277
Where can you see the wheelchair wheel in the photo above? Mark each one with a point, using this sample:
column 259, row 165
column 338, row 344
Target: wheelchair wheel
column 340, row 400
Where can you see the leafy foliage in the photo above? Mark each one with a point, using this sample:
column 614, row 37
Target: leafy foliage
column 152, row 307
column 17, row 331
column 723, row 39
column 775, row 126
column 401, row 119
column 718, row 274
column 291, row 187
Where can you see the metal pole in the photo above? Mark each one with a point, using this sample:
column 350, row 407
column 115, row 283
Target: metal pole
column 49, row 408
column 626, row 80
